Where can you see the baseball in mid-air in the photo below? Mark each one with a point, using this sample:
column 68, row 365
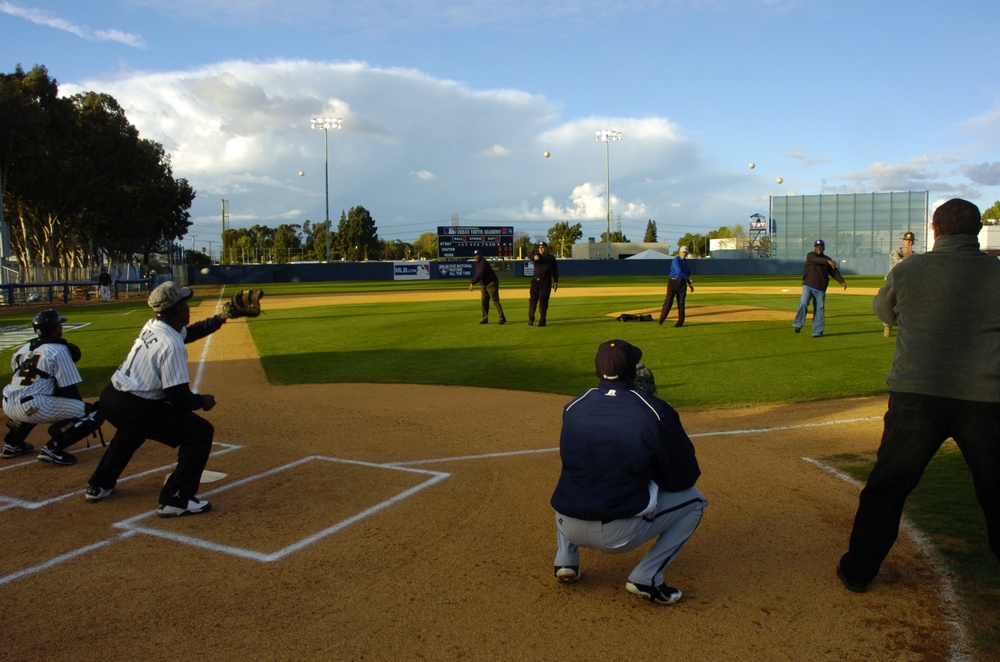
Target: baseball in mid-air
column 779, row 180
column 302, row 173
column 752, row 165
column 205, row 271
column 545, row 154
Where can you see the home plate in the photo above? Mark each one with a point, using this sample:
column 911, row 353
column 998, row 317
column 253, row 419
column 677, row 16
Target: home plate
column 211, row 476
column 206, row 476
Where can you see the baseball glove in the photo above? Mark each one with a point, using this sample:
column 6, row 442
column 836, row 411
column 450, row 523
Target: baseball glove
column 643, row 380
column 74, row 351
column 245, row 303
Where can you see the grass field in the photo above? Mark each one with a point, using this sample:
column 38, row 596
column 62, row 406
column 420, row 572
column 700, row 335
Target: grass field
column 706, row 364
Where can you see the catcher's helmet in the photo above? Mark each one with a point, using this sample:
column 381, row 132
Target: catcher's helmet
column 46, row 321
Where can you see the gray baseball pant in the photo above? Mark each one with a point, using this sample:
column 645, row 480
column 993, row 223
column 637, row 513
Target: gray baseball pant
column 675, row 518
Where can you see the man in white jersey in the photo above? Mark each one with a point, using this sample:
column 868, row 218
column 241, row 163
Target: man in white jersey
column 150, row 397
column 44, row 390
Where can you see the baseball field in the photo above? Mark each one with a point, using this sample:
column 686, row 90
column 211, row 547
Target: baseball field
column 387, row 468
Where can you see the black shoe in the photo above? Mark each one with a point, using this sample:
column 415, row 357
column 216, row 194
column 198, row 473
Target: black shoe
column 95, row 493
column 817, row 335
column 541, row 324
column 660, row 322
column 56, row 456
column 195, row 506
column 484, row 322
column 13, row 451
column 566, row 573
column 679, row 324
column 531, row 322
column 503, row 320
column 798, row 329
column 662, row 594
column 849, row 584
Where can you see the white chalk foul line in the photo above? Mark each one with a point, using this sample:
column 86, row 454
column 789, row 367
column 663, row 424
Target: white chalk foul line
column 960, row 648
column 434, row 478
column 720, row 433
column 63, row 557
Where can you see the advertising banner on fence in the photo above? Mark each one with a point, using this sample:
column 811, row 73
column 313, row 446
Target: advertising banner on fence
column 411, row 270
column 456, row 269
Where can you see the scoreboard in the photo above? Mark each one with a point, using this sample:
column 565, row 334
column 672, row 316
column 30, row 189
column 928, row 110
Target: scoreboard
column 460, row 242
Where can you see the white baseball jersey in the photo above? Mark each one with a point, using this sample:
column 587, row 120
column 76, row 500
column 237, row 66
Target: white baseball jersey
column 29, row 397
column 157, row 361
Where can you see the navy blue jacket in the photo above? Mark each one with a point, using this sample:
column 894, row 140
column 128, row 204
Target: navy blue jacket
column 614, row 441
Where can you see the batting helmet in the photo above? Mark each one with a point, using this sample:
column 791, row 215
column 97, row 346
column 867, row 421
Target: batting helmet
column 46, row 322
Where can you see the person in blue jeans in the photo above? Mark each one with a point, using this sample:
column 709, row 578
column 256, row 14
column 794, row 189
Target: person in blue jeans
column 816, row 276
column 943, row 383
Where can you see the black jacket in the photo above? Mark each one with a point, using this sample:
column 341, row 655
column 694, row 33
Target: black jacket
column 818, row 272
column 614, row 441
column 545, row 267
column 484, row 273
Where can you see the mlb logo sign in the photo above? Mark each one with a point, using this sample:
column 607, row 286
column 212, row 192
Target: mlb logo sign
column 411, row 270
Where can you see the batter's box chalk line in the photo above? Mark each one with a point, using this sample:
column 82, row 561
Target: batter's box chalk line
column 433, row 477
column 7, row 502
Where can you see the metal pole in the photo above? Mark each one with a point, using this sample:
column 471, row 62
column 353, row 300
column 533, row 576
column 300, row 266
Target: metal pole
column 607, row 170
column 326, row 175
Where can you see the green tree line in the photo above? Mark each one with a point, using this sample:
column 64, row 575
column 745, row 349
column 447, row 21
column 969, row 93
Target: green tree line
column 79, row 185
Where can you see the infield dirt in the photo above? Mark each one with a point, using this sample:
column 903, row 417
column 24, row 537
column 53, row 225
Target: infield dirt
column 460, row 568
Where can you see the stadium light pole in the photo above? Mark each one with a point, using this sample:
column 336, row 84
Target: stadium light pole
column 326, row 123
column 607, row 137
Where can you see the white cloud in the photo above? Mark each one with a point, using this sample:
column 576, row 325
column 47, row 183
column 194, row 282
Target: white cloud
column 496, row 150
column 240, row 131
column 415, row 150
column 47, row 19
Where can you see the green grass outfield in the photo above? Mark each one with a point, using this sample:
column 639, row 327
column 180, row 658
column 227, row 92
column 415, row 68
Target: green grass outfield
column 706, row 364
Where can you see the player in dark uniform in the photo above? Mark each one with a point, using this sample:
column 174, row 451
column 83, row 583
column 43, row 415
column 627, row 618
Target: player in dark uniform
column 489, row 288
column 543, row 283
column 628, row 476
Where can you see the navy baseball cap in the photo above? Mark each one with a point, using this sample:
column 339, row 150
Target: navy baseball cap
column 615, row 361
column 543, row 243
column 819, row 242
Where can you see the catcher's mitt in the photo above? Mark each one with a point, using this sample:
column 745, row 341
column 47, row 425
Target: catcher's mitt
column 245, row 303
column 74, row 351
column 643, row 380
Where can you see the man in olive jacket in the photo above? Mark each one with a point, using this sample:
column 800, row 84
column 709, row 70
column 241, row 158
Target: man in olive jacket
column 944, row 382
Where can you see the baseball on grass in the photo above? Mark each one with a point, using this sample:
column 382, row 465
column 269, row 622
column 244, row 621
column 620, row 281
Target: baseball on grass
column 545, row 154
column 752, row 165
column 205, row 271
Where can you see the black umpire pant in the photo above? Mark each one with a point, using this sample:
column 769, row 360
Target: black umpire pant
column 915, row 427
column 137, row 419
column 490, row 292
column 541, row 289
column 675, row 288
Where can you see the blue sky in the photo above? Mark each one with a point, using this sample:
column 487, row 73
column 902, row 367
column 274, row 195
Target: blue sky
column 448, row 105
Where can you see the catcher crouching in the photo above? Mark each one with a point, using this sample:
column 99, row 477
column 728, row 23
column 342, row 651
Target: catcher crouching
column 150, row 397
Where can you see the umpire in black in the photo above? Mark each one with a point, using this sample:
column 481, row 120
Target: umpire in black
column 543, row 283
column 489, row 285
